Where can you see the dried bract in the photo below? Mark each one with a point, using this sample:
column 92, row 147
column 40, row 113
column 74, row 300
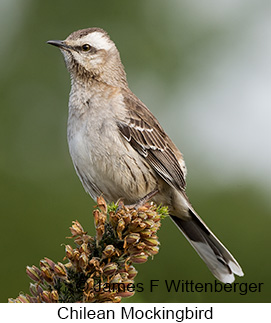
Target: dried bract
column 99, row 269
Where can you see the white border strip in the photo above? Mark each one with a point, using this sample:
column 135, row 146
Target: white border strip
column 136, row 312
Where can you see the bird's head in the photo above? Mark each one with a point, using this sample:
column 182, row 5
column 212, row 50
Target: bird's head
column 91, row 54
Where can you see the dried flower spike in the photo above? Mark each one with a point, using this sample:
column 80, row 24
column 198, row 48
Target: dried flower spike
column 99, row 269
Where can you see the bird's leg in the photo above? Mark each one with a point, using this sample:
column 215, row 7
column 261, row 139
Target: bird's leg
column 145, row 199
column 140, row 202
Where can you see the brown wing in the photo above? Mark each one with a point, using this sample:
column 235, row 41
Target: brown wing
column 146, row 136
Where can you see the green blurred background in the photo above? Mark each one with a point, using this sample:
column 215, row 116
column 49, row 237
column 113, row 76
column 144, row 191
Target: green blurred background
column 203, row 68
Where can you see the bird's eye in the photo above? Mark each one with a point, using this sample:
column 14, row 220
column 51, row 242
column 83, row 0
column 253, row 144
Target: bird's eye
column 86, row 48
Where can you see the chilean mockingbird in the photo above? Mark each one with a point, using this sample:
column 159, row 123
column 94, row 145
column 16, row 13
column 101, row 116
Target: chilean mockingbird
column 120, row 150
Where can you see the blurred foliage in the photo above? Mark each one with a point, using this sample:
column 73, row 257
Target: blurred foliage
column 40, row 192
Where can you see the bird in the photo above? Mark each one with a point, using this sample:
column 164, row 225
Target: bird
column 120, row 150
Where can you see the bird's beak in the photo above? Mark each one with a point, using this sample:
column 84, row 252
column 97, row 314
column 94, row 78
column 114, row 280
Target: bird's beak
column 58, row 43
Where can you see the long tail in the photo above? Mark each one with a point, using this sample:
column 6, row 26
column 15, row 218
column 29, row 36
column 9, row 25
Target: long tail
column 217, row 258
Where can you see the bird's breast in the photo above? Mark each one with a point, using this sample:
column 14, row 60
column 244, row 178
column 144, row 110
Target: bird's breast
column 104, row 161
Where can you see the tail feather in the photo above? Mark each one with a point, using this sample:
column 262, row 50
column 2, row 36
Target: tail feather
column 217, row 258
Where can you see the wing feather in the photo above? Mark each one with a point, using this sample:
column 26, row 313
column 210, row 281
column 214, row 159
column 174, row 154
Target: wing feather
column 141, row 129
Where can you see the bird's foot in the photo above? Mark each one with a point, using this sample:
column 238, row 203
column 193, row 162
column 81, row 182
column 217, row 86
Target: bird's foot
column 139, row 203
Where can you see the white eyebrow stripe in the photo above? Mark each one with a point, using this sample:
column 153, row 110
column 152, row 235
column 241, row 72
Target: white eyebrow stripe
column 98, row 40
